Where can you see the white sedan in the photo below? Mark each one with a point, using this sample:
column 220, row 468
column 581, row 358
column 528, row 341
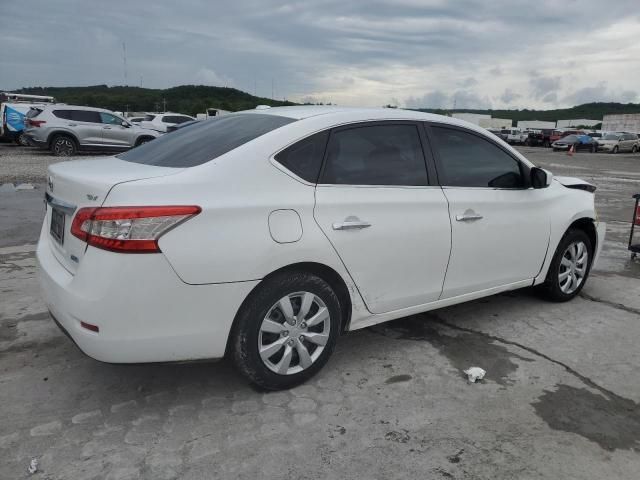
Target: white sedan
column 160, row 122
column 263, row 235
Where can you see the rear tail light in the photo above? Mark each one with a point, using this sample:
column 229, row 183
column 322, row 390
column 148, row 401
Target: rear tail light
column 128, row 229
column 35, row 123
column 637, row 220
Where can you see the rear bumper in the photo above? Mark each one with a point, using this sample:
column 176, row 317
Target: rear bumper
column 145, row 313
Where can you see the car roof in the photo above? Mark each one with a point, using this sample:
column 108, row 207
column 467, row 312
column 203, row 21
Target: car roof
column 64, row 106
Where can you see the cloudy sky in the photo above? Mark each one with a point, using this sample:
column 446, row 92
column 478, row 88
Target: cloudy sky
column 415, row 53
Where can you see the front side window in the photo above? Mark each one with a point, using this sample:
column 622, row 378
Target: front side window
column 149, row 118
column 388, row 154
column 304, row 158
column 467, row 160
column 109, row 119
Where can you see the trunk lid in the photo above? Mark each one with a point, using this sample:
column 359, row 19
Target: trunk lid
column 85, row 183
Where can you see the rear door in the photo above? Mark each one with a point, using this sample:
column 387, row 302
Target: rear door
column 87, row 126
column 113, row 133
column 387, row 223
column 500, row 226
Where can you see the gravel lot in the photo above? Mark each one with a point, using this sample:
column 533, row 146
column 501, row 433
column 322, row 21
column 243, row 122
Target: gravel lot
column 560, row 400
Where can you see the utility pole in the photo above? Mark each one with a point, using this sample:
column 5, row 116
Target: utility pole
column 124, row 61
column 164, row 105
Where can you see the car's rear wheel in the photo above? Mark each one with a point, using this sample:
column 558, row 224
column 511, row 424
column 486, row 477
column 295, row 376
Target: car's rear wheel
column 63, row 146
column 634, row 149
column 22, row 140
column 286, row 330
column 615, row 149
column 569, row 267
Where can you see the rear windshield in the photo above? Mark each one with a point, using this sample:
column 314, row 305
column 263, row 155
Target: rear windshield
column 204, row 141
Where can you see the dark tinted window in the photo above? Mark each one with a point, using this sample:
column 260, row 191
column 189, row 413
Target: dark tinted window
column 33, row 112
column 85, row 116
column 180, row 119
column 467, row 160
column 205, row 140
column 148, row 118
column 66, row 114
column 375, row 155
column 304, row 158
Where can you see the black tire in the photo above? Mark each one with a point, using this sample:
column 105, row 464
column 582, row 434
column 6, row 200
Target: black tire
column 245, row 335
column 21, row 140
column 550, row 289
column 615, row 149
column 634, row 149
column 63, row 146
column 143, row 140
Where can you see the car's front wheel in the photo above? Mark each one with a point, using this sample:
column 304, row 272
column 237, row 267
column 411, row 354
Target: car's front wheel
column 286, row 330
column 615, row 149
column 634, row 149
column 63, row 146
column 569, row 267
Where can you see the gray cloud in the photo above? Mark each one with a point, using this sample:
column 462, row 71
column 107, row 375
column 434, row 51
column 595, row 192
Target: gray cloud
column 349, row 52
column 601, row 93
column 508, row 96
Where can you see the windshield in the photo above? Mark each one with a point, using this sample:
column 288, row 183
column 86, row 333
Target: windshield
column 205, row 140
column 611, row 137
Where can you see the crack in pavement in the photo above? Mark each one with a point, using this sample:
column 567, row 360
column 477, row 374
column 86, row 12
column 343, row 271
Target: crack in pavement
column 618, row 306
column 584, row 379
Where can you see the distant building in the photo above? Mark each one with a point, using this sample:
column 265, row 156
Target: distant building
column 629, row 122
column 483, row 120
column 577, row 122
column 495, row 123
column 471, row 117
column 535, row 124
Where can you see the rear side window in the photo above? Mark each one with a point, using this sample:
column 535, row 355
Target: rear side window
column 375, row 155
column 65, row 114
column 33, row 112
column 204, row 141
column 304, row 158
column 85, row 116
column 467, row 160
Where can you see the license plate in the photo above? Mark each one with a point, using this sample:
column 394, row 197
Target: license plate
column 57, row 225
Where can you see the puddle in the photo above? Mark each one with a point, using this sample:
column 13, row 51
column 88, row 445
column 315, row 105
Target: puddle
column 611, row 423
column 462, row 349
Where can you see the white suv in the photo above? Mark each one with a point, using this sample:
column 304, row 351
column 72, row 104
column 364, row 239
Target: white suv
column 161, row 121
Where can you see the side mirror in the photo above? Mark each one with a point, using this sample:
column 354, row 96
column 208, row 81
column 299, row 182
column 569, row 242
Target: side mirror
column 540, row 178
column 125, row 124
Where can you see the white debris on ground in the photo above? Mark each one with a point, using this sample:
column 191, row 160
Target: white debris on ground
column 33, row 466
column 475, row 373
column 10, row 187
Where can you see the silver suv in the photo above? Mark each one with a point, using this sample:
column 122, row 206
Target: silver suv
column 67, row 129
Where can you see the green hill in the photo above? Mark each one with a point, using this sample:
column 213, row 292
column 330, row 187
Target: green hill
column 592, row 111
column 189, row 99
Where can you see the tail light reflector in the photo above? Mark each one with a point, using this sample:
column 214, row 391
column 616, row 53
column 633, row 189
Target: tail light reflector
column 129, row 229
column 637, row 220
column 35, row 123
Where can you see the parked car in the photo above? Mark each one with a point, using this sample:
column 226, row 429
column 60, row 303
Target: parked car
column 173, row 128
column 618, row 142
column 544, row 137
column 161, row 121
column 135, row 119
column 578, row 142
column 499, row 134
column 251, row 235
column 514, row 136
column 67, row 129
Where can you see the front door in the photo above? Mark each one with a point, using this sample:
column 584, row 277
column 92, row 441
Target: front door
column 113, row 133
column 500, row 226
column 388, row 225
column 86, row 125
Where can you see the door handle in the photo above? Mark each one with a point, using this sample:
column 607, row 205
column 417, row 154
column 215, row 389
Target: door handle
column 107, row 128
column 72, row 124
column 467, row 217
column 351, row 225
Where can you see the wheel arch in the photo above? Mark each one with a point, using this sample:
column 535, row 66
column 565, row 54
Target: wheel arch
column 328, row 274
column 142, row 137
column 586, row 224
column 63, row 133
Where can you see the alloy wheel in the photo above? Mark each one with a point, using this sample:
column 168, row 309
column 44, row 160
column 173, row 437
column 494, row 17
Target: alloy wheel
column 63, row 147
column 294, row 333
column 573, row 267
